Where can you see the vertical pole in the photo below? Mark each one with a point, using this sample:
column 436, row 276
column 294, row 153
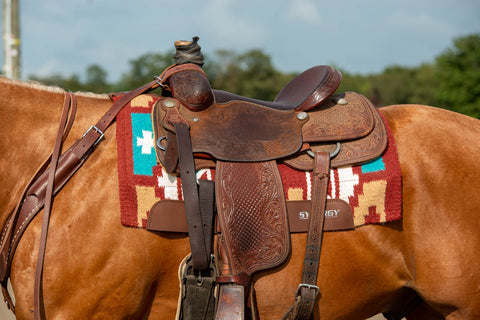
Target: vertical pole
column 11, row 39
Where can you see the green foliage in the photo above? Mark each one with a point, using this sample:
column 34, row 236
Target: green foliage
column 250, row 74
column 143, row 69
column 458, row 74
column 70, row 83
column 452, row 81
column 354, row 82
column 96, row 81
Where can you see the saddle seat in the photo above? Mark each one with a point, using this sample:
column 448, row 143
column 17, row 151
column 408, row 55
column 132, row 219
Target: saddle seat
column 305, row 92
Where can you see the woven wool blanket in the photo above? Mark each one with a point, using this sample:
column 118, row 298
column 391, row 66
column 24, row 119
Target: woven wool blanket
column 373, row 189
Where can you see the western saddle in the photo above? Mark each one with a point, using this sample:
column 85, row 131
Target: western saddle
column 306, row 127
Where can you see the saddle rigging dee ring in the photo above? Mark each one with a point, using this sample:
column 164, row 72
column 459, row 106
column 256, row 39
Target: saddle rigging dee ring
column 333, row 154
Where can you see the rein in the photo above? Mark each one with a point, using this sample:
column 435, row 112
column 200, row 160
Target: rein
column 69, row 107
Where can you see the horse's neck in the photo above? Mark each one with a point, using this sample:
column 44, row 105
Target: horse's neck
column 29, row 118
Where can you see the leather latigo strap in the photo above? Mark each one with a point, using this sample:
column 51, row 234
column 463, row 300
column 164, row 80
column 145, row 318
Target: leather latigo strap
column 199, row 231
column 308, row 291
column 13, row 229
column 198, row 246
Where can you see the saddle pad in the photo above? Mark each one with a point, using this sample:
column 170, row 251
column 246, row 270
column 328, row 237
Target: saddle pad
column 373, row 189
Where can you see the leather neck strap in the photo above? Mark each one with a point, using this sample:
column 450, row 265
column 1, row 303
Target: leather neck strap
column 308, row 291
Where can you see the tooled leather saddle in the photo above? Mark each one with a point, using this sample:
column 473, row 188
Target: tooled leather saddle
column 305, row 127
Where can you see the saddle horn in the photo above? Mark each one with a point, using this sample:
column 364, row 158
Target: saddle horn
column 191, row 86
column 188, row 52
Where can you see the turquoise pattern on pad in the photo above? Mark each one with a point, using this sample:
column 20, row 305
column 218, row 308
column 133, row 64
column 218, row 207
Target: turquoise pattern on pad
column 373, row 166
column 144, row 157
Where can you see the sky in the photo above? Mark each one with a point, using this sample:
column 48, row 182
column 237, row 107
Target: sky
column 359, row 36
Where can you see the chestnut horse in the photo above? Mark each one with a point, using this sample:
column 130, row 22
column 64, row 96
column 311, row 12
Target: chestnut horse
column 97, row 269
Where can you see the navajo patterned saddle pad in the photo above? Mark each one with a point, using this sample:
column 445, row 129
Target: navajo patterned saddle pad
column 373, row 190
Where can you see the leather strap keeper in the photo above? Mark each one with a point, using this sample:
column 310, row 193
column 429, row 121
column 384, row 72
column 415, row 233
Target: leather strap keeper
column 242, row 279
column 169, row 216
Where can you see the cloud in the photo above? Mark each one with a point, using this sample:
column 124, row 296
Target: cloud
column 222, row 20
column 419, row 22
column 49, row 67
column 304, row 11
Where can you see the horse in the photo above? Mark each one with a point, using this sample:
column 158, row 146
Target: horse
column 95, row 268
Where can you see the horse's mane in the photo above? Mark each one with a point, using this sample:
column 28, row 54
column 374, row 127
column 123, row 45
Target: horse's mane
column 35, row 85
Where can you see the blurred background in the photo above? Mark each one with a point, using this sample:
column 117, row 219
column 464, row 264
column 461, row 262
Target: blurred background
column 407, row 51
column 410, row 51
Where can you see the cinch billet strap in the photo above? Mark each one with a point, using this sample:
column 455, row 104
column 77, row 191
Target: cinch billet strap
column 308, row 291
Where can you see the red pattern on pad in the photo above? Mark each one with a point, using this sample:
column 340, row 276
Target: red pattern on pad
column 374, row 194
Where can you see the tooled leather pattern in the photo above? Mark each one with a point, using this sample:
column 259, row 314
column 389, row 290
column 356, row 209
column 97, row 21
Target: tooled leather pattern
column 252, row 215
column 337, row 122
column 352, row 151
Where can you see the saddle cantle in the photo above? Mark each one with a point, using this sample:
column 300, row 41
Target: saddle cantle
column 244, row 138
column 305, row 92
column 343, row 112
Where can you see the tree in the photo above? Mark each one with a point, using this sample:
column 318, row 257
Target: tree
column 354, row 82
column 96, row 79
column 69, row 83
column 452, row 82
column 458, row 75
column 143, row 69
column 425, row 85
column 250, row 74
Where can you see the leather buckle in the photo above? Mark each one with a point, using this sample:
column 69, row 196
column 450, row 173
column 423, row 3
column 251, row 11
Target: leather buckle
column 308, row 286
column 97, row 131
